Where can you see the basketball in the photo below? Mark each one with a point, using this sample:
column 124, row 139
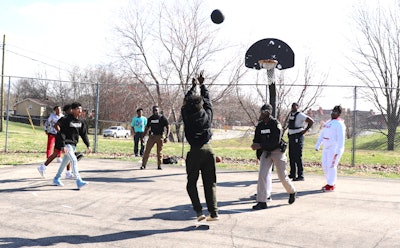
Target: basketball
column 217, row 17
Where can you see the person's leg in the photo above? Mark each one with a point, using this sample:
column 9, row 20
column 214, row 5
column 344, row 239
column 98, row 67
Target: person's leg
column 209, row 177
column 265, row 168
column 135, row 144
column 51, row 139
column 280, row 161
column 269, row 184
column 192, row 171
column 149, row 146
column 142, row 145
column 292, row 162
column 160, row 144
column 64, row 162
column 299, row 157
column 332, row 169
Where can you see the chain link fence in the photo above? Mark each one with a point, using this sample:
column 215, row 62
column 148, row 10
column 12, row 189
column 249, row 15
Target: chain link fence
column 369, row 128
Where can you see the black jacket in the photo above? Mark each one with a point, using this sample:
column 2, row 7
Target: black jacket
column 70, row 130
column 197, row 123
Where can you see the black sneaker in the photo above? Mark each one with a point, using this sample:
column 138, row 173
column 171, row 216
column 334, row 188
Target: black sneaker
column 142, row 167
column 159, row 168
column 292, row 198
column 78, row 155
column 299, row 179
column 260, row 205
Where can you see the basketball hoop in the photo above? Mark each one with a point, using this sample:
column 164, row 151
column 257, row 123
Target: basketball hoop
column 270, row 65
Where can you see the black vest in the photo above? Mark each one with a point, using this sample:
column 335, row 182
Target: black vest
column 292, row 120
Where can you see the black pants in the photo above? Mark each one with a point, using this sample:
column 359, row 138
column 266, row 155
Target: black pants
column 296, row 142
column 136, row 139
column 202, row 159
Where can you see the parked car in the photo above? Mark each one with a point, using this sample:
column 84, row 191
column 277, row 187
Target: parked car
column 116, row 132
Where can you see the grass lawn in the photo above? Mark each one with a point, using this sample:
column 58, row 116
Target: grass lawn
column 26, row 145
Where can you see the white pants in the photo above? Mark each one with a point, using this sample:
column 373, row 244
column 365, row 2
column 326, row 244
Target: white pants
column 329, row 168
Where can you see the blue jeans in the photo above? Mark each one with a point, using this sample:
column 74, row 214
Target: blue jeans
column 69, row 157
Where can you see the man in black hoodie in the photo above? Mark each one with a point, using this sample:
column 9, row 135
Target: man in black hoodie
column 71, row 127
column 197, row 116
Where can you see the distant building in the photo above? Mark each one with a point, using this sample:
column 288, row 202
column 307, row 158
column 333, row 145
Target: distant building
column 38, row 111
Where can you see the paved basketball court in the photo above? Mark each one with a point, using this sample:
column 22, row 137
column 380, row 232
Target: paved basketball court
column 127, row 207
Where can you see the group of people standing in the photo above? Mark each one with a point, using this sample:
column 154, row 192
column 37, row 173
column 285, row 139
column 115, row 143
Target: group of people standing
column 197, row 115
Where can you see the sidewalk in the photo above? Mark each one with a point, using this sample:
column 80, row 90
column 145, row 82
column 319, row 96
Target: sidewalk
column 124, row 206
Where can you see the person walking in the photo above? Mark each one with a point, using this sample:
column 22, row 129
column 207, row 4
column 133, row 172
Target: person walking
column 52, row 132
column 267, row 137
column 71, row 127
column 57, row 149
column 156, row 125
column 296, row 133
column 138, row 125
column 197, row 117
column 332, row 138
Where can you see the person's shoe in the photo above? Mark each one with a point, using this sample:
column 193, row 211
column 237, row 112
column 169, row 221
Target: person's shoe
column 42, row 170
column 260, row 205
column 292, row 198
column 299, row 179
column 291, row 177
column 200, row 216
column 59, row 160
column 57, row 182
column 269, row 199
column 328, row 188
column 69, row 175
column 81, row 183
column 254, row 196
column 78, row 155
column 212, row 217
column 142, row 167
column 159, row 168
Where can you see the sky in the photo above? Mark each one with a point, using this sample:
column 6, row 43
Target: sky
column 54, row 34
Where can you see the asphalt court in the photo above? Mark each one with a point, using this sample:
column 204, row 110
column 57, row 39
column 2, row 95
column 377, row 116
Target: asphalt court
column 124, row 206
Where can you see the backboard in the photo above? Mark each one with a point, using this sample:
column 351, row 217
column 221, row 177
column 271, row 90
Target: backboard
column 270, row 48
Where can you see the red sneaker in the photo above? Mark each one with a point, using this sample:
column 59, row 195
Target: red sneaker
column 328, row 188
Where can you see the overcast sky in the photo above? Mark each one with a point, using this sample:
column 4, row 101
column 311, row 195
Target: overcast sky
column 76, row 32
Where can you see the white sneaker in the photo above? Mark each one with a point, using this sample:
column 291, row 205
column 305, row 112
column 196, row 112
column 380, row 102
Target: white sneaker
column 42, row 169
column 59, row 160
column 69, row 175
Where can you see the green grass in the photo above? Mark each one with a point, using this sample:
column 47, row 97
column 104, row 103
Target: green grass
column 26, row 145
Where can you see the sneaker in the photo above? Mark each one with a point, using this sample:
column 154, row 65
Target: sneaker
column 292, row 198
column 78, row 155
column 142, row 167
column 69, row 175
column 328, row 188
column 200, row 216
column 212, row 217
column 42, row 170
column 81, row 183
column 260, row 205
column 299, row 179
column 159, row 168
column 269, row 199
column 57, row 182
column 59, row 160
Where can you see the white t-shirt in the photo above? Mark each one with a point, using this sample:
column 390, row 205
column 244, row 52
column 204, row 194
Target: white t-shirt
column 298, row 122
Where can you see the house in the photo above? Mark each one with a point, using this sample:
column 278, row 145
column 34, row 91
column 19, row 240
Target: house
column 37, row 110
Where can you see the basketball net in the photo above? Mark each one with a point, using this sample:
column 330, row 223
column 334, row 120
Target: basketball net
column 270, row 65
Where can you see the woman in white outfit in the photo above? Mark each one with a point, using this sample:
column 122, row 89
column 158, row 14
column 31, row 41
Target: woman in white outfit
column 332, row 138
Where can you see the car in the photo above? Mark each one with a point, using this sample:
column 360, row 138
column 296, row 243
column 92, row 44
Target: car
column 116, row 132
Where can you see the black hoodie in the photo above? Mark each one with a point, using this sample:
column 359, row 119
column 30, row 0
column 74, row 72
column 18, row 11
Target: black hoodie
column 197, row 122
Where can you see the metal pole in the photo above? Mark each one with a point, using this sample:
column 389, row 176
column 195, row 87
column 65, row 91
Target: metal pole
column 8, row 113
column 353, row 148
column 96, row 119
column 2, row 85
column 272, row 98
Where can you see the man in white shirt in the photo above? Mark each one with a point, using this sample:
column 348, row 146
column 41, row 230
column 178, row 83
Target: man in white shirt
column 332, row 138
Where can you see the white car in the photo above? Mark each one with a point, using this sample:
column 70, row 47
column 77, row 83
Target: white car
column 116, row 132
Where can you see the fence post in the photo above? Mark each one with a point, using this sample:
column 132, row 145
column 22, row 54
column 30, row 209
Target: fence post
column 96, row 119
column 353, row 148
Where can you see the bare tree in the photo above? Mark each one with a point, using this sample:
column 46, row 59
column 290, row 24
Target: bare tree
column 377, row 61
column 164, row 49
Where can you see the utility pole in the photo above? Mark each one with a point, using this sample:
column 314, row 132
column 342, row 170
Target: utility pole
column 2, row 85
